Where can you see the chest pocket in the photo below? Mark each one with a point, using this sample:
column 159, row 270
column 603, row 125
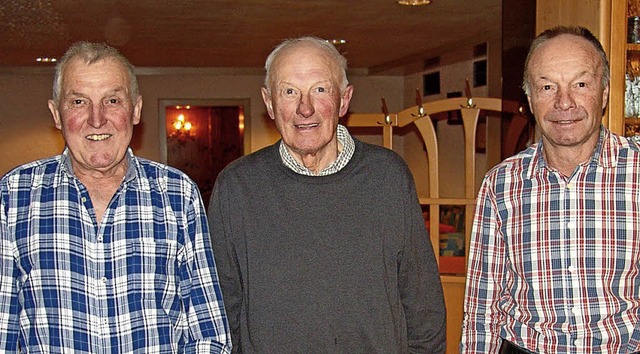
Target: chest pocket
column 151, row 267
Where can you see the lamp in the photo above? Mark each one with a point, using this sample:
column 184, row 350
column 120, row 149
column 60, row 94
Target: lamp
column 182, row 128
column 414, row 2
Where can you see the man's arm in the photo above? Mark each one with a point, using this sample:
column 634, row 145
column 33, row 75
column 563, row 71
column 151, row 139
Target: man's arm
column 226, row 260
column 205, row 312
column 9, row 305
column 485, row 271
column 420, row 286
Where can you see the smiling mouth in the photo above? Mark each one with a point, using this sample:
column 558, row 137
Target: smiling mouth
column 568, row 121
column 306, row 126
column 98, row 137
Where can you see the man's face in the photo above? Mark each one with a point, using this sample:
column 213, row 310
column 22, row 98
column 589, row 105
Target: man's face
column 305, row 101
column 567, row 96
column 96, row 114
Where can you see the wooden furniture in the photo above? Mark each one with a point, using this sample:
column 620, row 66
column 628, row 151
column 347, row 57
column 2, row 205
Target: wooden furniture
column 470, row 110
column 607, row 19
column 627, row 61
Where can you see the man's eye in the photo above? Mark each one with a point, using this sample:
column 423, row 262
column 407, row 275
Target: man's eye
column 321, row 89
column 582, row 84
column 77, row 101
column 546, row 87
column 112, row 101
column 289, row 92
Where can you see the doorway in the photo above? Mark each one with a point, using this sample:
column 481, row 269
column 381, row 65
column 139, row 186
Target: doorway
column 201, row 137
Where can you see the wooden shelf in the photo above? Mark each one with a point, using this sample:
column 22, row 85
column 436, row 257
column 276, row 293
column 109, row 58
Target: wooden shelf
column 632, row 120
column 634, row 47
column 631, row 126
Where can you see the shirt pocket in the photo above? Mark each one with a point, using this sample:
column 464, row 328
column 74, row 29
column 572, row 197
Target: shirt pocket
column 151, row 268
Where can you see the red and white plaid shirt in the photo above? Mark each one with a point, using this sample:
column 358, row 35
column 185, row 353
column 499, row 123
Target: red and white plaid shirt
column 554, row 261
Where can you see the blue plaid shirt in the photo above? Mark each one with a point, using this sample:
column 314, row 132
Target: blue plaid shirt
column 141, row 281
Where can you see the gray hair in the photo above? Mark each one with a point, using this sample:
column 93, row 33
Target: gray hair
column 328, row 48
column 90, row 53
column 560, row 30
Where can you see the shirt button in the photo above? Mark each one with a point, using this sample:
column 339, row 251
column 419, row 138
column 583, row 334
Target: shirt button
column 103, row 280
column 572, row 269
column 571, row 225
column 84, row 200
column 575, row 311
column 570, row 185
column 99, row 238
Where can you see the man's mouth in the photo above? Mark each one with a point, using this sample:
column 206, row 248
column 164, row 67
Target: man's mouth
column 306, row 126
column 98, row 137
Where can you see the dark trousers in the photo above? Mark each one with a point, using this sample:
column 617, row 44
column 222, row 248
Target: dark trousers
column 510, row 348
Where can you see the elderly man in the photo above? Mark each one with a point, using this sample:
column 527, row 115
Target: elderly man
column 319, row 239
column 101, row 251
column 554, row 265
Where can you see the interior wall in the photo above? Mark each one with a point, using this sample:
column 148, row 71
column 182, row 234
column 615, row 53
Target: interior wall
column 27, row 128
column 28, row 132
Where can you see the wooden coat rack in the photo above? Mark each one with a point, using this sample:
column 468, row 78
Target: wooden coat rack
column 420, row 115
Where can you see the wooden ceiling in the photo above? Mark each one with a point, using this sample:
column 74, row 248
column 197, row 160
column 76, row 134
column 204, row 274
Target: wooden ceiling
column 380, row 34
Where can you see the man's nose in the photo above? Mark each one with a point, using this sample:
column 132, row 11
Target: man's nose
column 305, row 107
column 97, row 117
column 564, row 100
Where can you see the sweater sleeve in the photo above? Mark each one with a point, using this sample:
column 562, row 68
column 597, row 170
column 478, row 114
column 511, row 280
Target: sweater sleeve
column 419, row 281
column 226, row 259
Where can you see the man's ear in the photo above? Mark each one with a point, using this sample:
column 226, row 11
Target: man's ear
column 344, row 100
column 53, row 108
column 137, row 110
column 605, row 98
column 530, row 105
column 266, row 97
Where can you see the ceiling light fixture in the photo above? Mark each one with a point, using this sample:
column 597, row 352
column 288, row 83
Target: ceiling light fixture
column 46, row 60
column 337, row 41
column 414, row 2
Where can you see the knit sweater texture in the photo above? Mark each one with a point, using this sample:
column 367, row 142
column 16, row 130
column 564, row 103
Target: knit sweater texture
column 332, row 264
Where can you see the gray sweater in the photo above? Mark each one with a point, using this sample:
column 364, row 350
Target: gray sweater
column 332, row 264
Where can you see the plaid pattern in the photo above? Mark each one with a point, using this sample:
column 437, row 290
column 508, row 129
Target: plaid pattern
column 143, row 281
column 554, row 261
column 348, row 147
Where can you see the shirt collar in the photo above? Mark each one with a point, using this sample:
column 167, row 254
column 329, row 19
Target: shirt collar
column 348, row 148
column 67, row 168
column 605, row 153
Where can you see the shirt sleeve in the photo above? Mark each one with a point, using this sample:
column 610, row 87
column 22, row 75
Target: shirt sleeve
column 202, row 298
column 8, row 282
column 485, row 272
column 419, row 281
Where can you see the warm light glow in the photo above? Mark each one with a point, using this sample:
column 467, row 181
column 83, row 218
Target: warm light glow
column 46, row 60
column 241, row 121
column 337, row 41
column 414, row 2
column 182, row 127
